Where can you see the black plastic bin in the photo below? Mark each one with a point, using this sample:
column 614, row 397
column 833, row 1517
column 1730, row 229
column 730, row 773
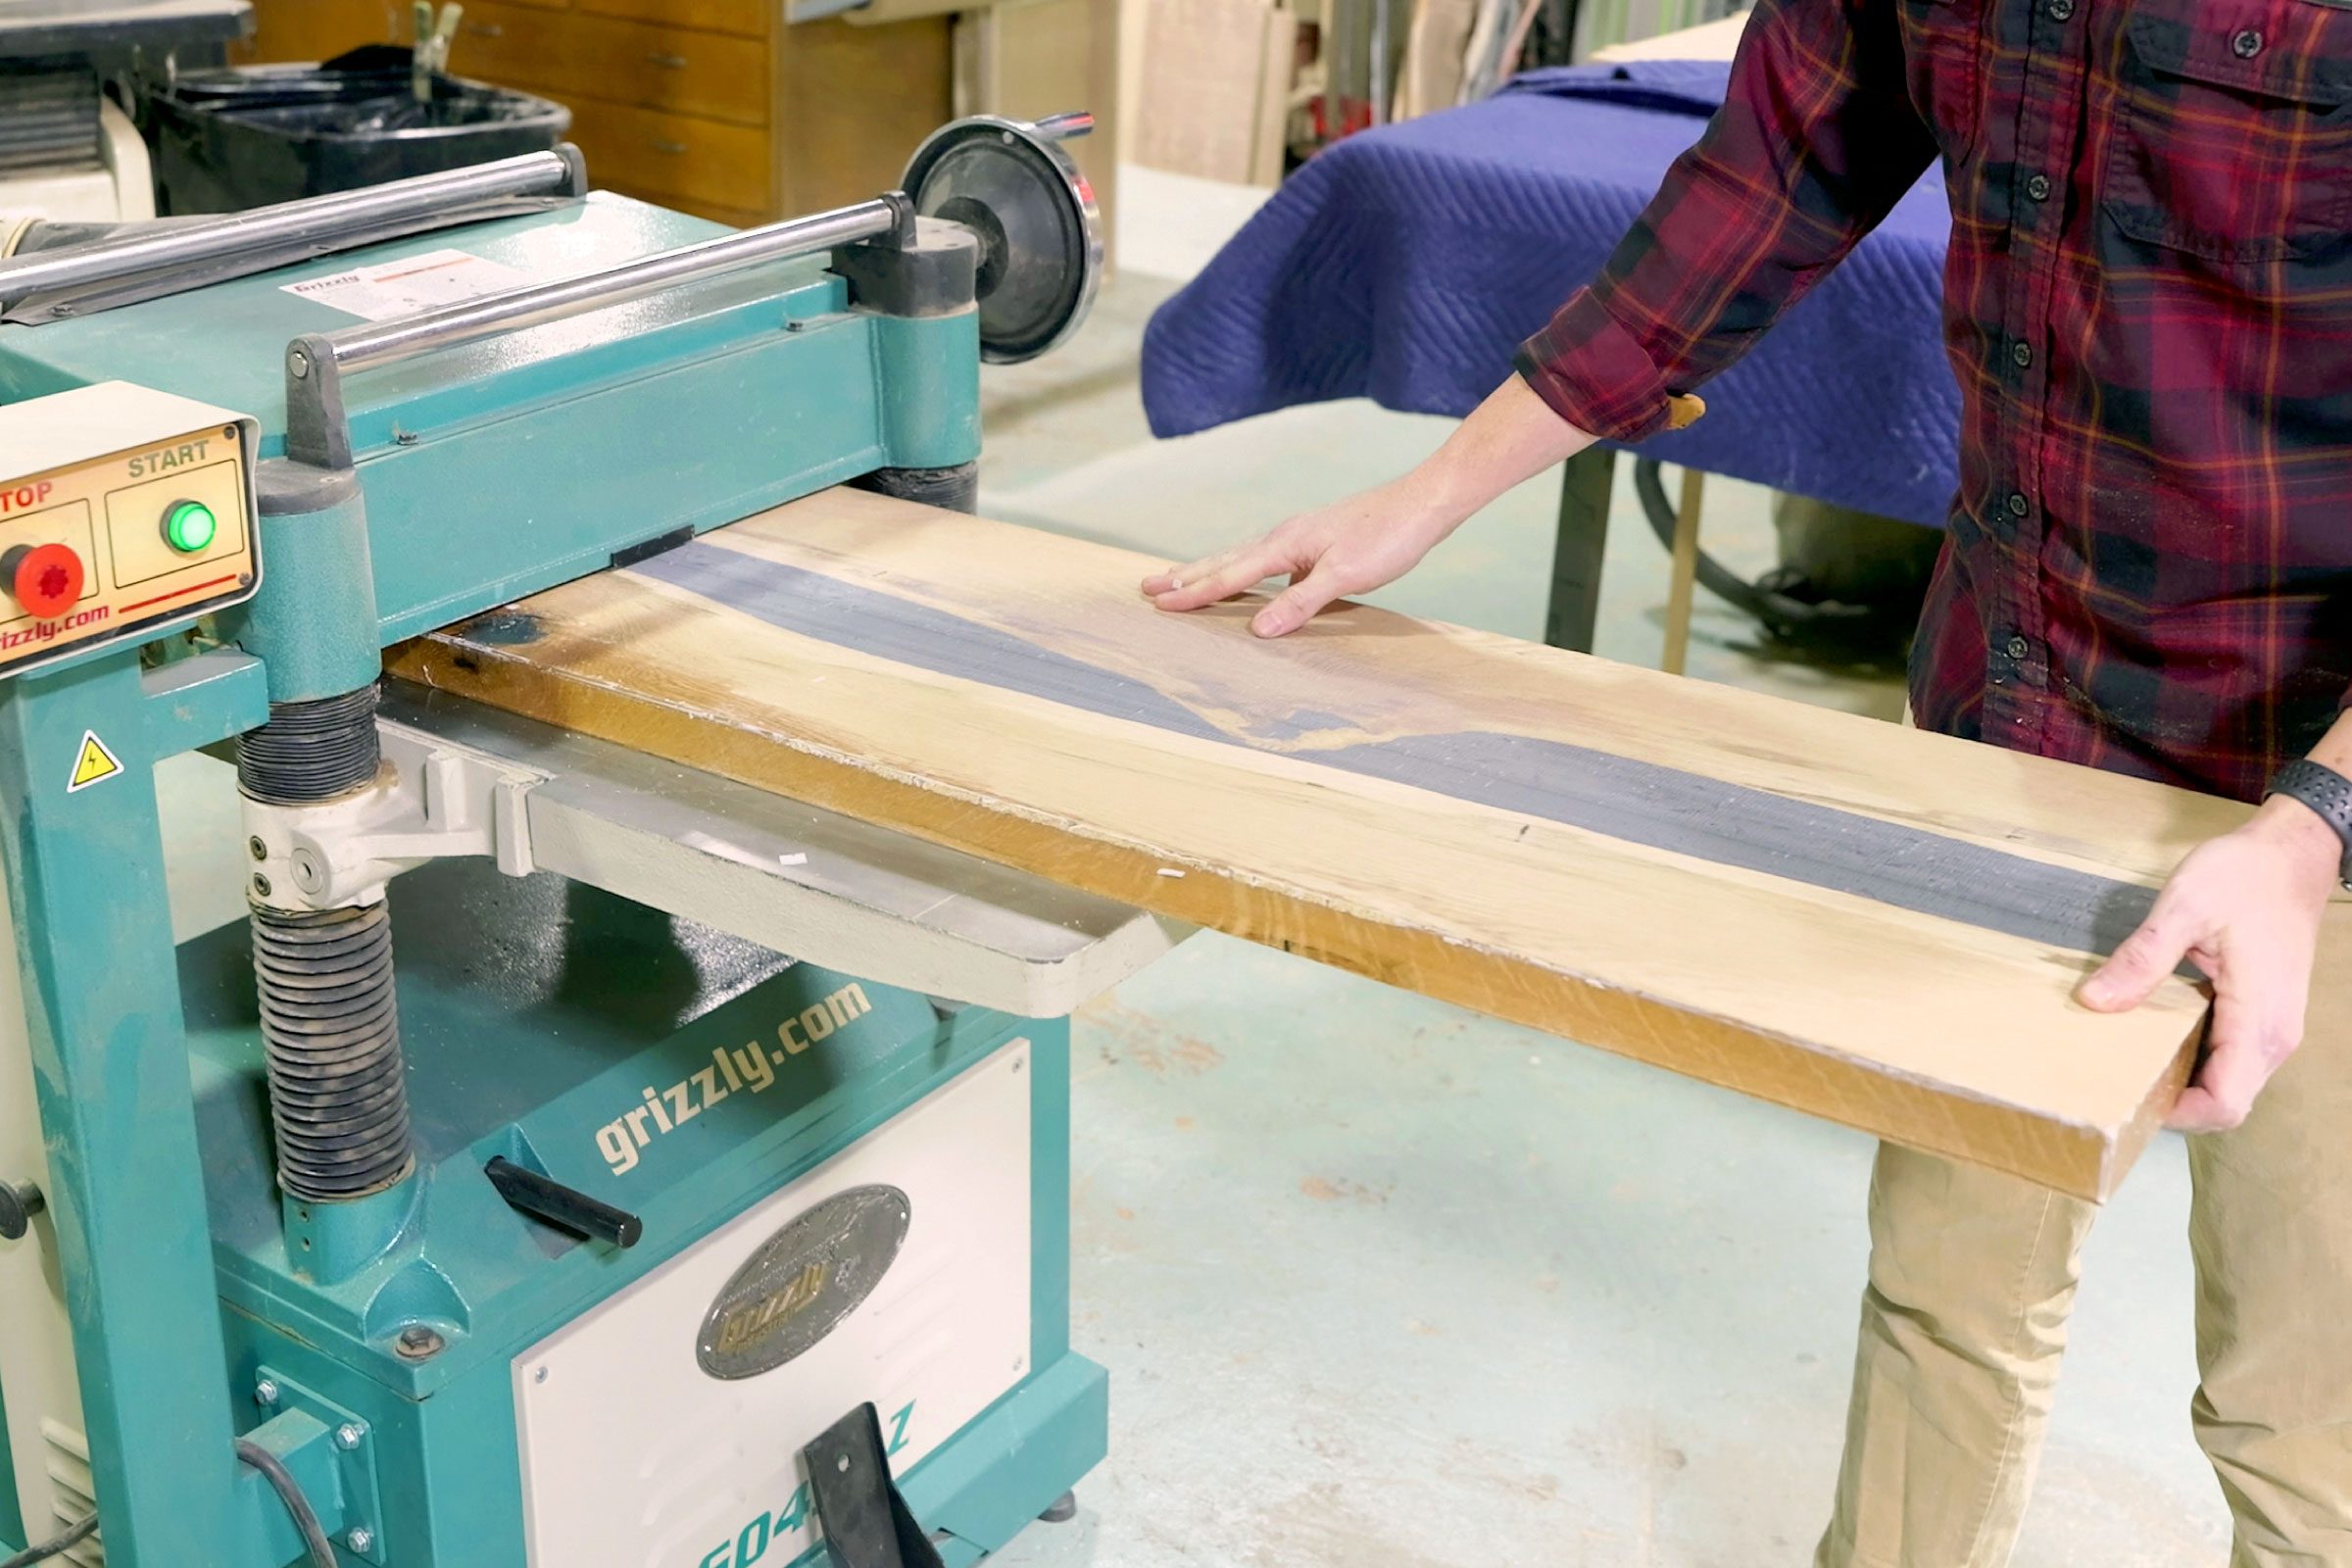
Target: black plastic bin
column 226, row 140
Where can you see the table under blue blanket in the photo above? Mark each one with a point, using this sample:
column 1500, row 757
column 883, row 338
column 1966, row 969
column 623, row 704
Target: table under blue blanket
column 1407, row 263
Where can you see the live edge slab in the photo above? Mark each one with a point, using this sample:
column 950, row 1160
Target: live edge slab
column 1864, row 922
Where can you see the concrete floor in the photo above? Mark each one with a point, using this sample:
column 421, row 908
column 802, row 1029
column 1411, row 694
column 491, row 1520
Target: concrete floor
column 1382, row 1282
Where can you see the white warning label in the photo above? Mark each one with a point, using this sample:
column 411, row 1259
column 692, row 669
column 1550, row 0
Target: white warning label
column 389, row 291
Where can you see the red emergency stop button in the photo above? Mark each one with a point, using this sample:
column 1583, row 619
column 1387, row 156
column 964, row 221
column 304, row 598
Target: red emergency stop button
column 47, row 579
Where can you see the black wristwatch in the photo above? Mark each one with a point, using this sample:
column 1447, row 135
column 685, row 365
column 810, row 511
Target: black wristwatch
column 2326, row 792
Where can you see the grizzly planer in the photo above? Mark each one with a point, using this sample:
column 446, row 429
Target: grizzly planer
column 442, row 1141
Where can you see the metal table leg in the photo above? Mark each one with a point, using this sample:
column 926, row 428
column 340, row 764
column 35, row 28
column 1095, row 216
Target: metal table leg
column 1586, row 482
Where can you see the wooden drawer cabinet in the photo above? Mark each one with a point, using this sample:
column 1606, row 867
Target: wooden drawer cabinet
column 713, row 106
column 675, row 156
column 750, row 19
column 715, row 75
column 732, row 216
column 899, row 80
column 719, row 108
column 317, row 30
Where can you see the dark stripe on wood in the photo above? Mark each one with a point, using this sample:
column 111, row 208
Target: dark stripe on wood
column 1619, row 797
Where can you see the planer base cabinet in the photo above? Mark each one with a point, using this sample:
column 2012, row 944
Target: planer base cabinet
column 722, row 1093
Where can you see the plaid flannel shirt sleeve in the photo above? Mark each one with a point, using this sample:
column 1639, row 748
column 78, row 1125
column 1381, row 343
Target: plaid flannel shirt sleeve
column 1816, row 141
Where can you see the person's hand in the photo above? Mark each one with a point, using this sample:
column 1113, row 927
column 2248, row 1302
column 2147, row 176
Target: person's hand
column 1369, row 541
column 1351, row 547
column 2245, row 909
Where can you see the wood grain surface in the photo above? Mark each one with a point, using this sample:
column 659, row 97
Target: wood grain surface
column 1863, row 923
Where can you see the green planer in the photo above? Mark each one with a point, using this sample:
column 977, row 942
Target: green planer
column 416, row 1147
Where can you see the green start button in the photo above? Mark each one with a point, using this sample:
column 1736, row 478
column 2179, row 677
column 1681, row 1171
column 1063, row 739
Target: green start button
column 189, row 526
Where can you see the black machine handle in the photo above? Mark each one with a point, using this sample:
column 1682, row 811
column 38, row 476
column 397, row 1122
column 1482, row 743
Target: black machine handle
column 566, row 1208
column 19, row 1202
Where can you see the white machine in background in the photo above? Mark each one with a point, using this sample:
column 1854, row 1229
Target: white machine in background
column 118, row 183
column 68, row 151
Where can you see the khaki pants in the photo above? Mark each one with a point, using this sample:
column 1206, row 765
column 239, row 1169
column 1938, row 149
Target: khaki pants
column 1972, row 1275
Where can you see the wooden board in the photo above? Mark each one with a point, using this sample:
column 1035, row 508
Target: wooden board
column 1215, row 96
column 1731, row 885
column 854, row 103
column 1431, row 76
column 1043, row 57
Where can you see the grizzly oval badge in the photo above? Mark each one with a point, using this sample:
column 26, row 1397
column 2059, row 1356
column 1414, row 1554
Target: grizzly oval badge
column 801, row 1282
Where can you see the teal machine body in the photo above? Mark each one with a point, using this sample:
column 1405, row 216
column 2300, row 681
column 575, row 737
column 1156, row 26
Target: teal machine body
column 430, row 1157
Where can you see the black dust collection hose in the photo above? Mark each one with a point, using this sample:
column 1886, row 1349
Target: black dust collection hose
column 1797, row 620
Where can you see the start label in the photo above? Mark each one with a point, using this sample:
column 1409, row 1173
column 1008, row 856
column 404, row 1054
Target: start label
column 94, row 764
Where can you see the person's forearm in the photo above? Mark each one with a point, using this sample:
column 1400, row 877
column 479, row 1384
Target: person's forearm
column 1370, row 540
column 2335, row 747
column 1508, row 439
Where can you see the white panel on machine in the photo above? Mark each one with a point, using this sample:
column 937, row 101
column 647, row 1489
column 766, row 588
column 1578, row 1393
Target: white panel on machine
column 634, row 1455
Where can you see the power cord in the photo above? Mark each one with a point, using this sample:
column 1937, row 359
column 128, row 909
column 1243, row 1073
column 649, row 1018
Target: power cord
column 289, row 1492
column 282, row 1480
column 54, row 1546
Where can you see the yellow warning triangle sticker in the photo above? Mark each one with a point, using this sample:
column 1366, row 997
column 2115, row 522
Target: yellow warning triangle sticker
column 94, row 765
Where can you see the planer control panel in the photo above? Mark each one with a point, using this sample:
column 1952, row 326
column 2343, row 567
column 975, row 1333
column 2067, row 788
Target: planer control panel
column 123, row 512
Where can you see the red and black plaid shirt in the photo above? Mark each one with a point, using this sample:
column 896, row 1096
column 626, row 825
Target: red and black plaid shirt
column 2148, row 305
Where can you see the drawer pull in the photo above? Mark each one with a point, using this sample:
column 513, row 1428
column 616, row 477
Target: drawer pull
column 485, row 30
column 665, row 59
column 662, row 144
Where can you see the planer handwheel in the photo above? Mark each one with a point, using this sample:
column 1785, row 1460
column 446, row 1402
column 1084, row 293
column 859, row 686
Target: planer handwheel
column 1041, row 235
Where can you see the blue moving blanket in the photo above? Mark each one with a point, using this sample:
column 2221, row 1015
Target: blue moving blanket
column 1407, row 263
